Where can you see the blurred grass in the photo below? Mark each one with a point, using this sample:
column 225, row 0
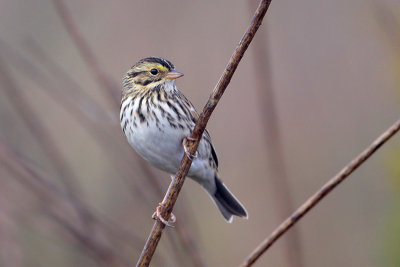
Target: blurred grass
column 336, row 77
column 391, row 231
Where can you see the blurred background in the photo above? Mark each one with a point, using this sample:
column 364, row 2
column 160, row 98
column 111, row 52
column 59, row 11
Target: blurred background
column 319, row 83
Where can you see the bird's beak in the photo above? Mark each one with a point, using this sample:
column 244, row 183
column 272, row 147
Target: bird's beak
column 174, row 74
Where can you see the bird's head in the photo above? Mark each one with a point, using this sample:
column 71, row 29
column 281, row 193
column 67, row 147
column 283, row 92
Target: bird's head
column 149, row 73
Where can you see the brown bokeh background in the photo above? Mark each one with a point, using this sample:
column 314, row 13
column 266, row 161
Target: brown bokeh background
column 333, row 68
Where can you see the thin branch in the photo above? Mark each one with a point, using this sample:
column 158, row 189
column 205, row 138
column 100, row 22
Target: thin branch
column 320, row 194
column 277, row 179
column 177, row 183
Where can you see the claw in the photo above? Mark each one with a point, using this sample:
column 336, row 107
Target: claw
column 185, row 142
column 157, row 216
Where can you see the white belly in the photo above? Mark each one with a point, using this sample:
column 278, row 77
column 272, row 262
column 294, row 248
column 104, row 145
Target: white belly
column 161, row 145
column 163, row 150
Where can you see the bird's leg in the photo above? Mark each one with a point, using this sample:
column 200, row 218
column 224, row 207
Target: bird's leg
column 157, row 216
column 185, row 144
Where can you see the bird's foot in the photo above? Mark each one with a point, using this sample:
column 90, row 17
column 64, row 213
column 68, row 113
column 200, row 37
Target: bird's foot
column 157, row 216
column 185, row 144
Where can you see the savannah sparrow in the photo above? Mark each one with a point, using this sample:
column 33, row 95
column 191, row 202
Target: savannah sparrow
column 157, row 118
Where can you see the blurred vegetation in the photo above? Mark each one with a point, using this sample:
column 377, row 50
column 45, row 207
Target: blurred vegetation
column 73, row 192
column 392, row 226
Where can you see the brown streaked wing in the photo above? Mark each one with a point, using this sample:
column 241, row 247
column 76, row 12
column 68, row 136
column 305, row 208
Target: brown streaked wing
column 206, row 134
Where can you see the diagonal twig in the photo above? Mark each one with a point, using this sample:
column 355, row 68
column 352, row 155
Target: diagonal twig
column 320, row 194
column 177, row 183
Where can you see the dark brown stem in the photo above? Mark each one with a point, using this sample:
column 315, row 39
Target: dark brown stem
column 320, row 194
column 177, row 183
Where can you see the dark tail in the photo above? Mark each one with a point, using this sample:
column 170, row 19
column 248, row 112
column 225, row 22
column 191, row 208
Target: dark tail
column 227, row 202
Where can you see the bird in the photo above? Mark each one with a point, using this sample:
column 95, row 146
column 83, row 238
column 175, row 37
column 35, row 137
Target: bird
column 157, row 119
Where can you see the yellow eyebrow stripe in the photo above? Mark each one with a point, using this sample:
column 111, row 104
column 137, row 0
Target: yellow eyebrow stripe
column 148, row 67
column 161, row 68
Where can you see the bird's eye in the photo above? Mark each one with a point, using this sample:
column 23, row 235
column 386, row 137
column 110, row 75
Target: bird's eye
column 154, row 71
